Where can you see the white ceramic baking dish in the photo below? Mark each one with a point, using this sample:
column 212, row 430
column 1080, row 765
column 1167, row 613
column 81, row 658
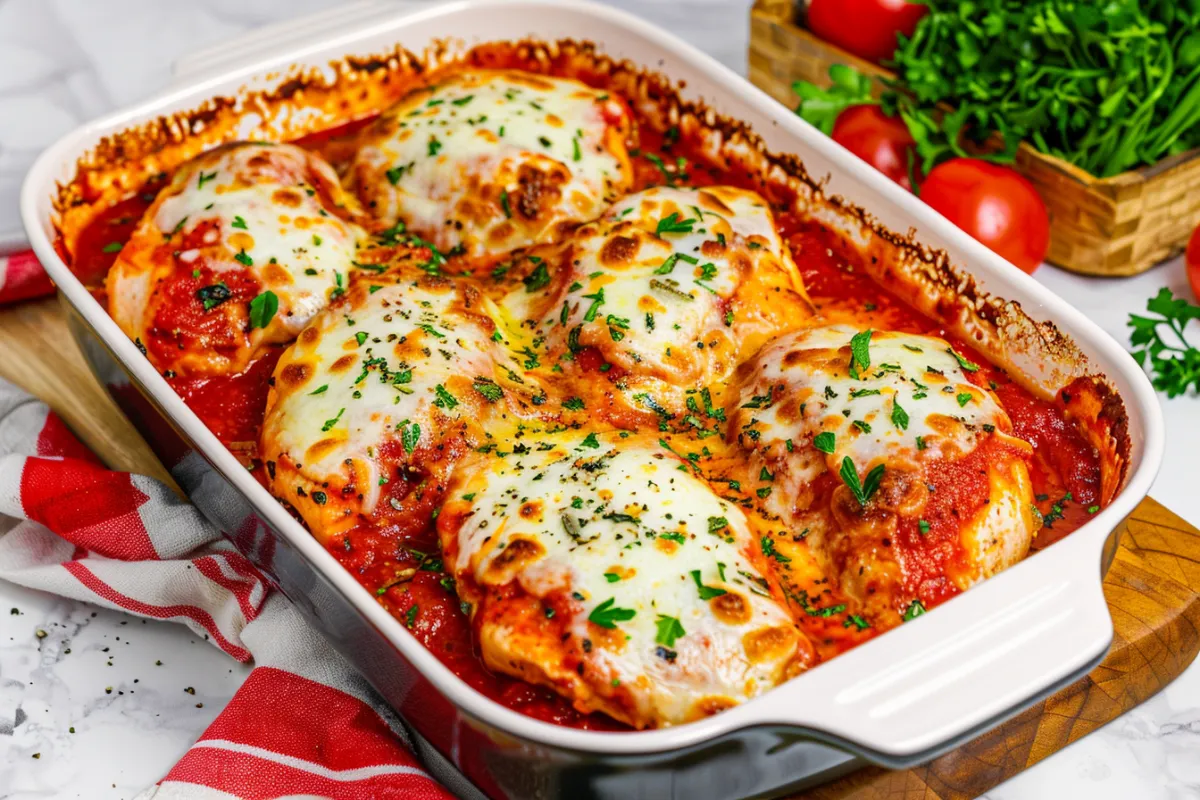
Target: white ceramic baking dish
column 897, row 700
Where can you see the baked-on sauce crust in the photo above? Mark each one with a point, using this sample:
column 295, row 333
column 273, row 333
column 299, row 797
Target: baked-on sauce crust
column 1072, row 416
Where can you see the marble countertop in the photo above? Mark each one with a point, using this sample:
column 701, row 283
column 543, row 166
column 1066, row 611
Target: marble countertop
column 94, row 704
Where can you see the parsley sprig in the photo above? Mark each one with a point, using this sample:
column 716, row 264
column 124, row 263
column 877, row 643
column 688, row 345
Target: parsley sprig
column 1174, row 362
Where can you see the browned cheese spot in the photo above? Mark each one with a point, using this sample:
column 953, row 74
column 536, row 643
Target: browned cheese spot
column 730, row 608
column 619, row 251
column 769, row 644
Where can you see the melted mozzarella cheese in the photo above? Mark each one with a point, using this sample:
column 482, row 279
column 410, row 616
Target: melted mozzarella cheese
column 671, row 285
column 641, row 574
column 494, row 160
column 402, row 366
column 239, row 221
column 911, row 402
column 809, row 404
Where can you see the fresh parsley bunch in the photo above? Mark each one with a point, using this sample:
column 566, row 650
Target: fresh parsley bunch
column 1107, row 85
column 1174, row 362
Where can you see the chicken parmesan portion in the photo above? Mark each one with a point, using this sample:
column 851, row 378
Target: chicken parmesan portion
column 667, row 292
column 599, row 566
column 491, row 160
column 902, row 473
column 377, row 398
column 239, row 252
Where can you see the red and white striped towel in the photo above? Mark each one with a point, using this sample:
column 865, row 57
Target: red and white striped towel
column 304, row 723
column 22, row 278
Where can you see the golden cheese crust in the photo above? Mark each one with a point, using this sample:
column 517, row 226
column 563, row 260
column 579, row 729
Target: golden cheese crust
column 488, row 161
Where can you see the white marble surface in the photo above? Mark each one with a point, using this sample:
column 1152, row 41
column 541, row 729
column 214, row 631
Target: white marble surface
column 65, row 61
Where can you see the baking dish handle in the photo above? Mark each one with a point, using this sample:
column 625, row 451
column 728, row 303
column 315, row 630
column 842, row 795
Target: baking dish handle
column 943, row 677
column 257, row 44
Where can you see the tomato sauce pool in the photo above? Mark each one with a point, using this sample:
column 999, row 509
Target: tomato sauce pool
column 1065, row 470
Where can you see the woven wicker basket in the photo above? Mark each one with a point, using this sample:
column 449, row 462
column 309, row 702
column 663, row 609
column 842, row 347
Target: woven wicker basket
column 1121, row 225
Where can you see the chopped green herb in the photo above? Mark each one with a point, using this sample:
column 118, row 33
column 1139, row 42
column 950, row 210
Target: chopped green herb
column 607, row 616
column 262, row 309
column 706, row 592
column 673, row 224
column 669, row 629
column 489, row 389
column 825, row 442
column 213, row 296
column 899, row 415
column 914, row 610
column 863, row 490
column 969, row 366
column 329, row 423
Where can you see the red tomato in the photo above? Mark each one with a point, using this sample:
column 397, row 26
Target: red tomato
column 882, row 141
column 994, row 204
column 867, row 28
column 1193, row 263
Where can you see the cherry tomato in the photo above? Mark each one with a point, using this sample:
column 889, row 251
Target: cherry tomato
column 1193, row 263
column 867, row 28
column 994, row 204
column 882, row 141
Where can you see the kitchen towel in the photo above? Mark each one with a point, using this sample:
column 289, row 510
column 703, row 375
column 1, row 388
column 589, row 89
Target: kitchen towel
column 303, row 724
column 22, row 278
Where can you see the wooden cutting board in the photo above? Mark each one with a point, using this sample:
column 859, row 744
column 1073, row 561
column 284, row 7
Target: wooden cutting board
column 1153, row 589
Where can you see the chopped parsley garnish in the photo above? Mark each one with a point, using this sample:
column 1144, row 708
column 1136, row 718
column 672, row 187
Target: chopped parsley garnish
column 857, row 622
column 862, row 490
column 612, row 577
column 319, row 498
column 240, row 223
column 706, row 592
column 865, row 427
column 768, row 549
column 591, row 442
column 538, row 279
column 243, row 259
column 206, row 178
column 361, row 337
column 914, row 610
column 899, row 415
column 825, row 442
column 262, row 309
column 674, row 224
column 963, row 398
column 329, row 423
column 113, row 247
column 396, row 173
column 669, row 264
column 606, row 615
column 597, row 299
column 573, row 404
column 213, row 296
column 320, row 389
column 410, row 435
column 923, row 526
column 504, row 204
column 669, row 629
column 860, row 352
column 444, row 398
column 434, row 146
column 969, row 366
column 489, row 389
column 717, row 524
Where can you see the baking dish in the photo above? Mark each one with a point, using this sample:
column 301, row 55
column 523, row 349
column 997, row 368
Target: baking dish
column 899, row 700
